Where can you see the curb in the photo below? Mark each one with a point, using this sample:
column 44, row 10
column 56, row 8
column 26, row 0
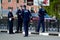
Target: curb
column 30, row 33
column 3, row 30
column 48, row 34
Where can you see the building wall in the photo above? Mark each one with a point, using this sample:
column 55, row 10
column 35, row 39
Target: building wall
column 14, row 4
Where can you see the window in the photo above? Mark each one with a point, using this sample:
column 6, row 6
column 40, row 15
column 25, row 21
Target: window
column 29, row 2
column 17, row 1
column 25, row 1
column 9, row 0
column 10, row 7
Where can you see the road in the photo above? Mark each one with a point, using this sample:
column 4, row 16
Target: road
column 19, row 36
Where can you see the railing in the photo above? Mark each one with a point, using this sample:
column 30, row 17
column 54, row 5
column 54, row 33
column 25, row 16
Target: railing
column 50, row 25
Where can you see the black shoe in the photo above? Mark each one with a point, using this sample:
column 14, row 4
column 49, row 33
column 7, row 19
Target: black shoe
column 43, row 31
column 26, row 36
column 16, row 32
column 11, row 33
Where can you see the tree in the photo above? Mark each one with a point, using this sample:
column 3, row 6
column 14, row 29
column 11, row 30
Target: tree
column 53, row 8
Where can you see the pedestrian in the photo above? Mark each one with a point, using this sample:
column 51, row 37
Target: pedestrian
column 41, row 15
column 19, row 20
column 26, row 19
column 10, row 21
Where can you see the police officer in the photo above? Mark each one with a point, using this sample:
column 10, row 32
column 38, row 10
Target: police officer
column 19, row 16
column 26, row 18
column 41, row 14
column 10, row 21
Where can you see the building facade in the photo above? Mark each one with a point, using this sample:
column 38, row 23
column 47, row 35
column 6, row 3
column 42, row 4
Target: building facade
column 6, row 4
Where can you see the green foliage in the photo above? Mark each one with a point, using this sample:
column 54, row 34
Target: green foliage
column 53, row 8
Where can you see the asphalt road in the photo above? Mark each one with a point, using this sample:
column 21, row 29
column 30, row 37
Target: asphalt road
column 19, row 36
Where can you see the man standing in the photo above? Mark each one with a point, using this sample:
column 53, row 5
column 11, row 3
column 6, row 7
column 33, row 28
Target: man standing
column 10, row 21
column 41, row 14
column 26, row 18
column 19, row 16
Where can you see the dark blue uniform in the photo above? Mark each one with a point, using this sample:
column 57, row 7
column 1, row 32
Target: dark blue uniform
column 41, row 19
column 26, row 18
column 10, row 22
column 19, row 20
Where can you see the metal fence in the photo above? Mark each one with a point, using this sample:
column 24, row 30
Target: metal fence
column 50, row 25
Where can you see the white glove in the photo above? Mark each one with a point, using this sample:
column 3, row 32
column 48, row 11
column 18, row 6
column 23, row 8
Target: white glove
column 10, row 19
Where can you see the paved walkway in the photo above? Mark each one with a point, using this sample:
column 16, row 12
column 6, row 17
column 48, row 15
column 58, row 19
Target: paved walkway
column 19, row 36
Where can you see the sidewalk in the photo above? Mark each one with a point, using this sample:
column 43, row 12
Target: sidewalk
column 19, row 36
column 33, row 32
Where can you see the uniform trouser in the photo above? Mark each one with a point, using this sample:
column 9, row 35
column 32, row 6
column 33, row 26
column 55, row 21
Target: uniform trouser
column 10, row 26
column 19, row 27
column 26, row 23
column 39, row 25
